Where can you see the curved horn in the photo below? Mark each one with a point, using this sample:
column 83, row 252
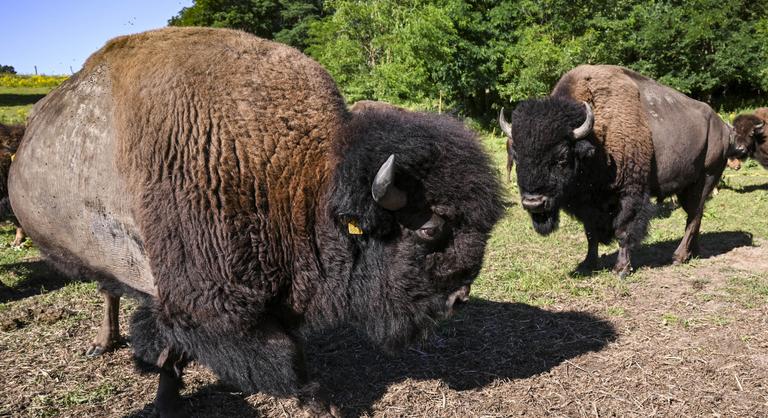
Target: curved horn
column 585, row 127
column 505, row 126
column 759, row 127
column 383, row 189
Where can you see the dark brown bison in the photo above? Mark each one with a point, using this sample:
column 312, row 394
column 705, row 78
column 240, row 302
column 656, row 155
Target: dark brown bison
column 604, row 142
column 751, row 135
column 10, row 137
column 220, row 178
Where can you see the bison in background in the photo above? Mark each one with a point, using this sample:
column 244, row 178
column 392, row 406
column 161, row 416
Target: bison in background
column 751, row 135
column 604, row 142
column 219, row 178
column 10, row 137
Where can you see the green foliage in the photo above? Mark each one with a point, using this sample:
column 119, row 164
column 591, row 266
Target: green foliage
column 284, row 20
column 7, row 69
column 388, row 50
column 474, row 56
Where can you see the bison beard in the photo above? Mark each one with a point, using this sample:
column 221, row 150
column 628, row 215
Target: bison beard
column 545, row 223
column 221, row 178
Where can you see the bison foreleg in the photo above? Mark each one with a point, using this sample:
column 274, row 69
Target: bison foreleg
column 168, row 402
column 631, row 225
column 591, row 261
column 109, row 332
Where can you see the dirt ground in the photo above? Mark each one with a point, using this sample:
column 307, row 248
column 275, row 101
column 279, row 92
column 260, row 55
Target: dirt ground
column 673, row 341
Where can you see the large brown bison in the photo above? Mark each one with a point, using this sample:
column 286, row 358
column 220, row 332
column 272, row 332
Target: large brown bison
column 752, row 135
column 220, row 179
column 604, row 142
column 10, row 137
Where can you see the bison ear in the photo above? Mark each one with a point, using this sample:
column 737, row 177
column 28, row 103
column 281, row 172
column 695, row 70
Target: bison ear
column 383, row 189
column 505, row 126
column 584, row 149
column 585, row 127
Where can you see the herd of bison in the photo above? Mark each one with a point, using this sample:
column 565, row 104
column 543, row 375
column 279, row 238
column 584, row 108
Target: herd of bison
column 221, row 180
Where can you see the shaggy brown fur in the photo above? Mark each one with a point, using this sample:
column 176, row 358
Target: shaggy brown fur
column 620, row 126
column 10, row 138
column 222, row 157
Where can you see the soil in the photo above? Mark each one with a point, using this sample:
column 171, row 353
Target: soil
column 673, row 341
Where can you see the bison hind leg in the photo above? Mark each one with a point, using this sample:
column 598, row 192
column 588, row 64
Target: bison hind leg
column 108, row 336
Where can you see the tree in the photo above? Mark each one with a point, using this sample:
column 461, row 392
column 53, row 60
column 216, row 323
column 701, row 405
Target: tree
column 389, row 50
column 7, row 69
column 286, row 21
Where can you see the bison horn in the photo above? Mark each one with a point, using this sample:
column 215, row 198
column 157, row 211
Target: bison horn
column 759, row 127
column 505, row 126
column 384, row 191
column 585, row 127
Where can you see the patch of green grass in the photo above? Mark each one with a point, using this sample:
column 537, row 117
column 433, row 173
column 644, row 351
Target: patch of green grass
column 615, row 311
column 16, row 102
column 669, row 319
column 749, row 290
column 82, row 395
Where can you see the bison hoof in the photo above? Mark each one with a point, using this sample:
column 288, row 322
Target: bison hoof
column 96, row 350
column 682, row 258
column 315, row 403
column 321, row 410
column 623, row 271
column 586, row 268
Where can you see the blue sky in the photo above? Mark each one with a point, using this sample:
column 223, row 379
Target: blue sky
column 57, row 34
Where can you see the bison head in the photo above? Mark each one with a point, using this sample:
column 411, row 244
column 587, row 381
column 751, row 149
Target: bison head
column 749, row 137
column 550, row 139
column 413, row 200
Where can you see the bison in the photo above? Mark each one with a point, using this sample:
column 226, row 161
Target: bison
column 221, row 180
column 10, row 137
column 751, row 135
column 604, row 142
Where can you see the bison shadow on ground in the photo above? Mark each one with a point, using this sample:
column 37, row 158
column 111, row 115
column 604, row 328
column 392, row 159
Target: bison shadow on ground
column 659, row 254
column 484, row 343
column 39, row 278
column 745, row 189
column 210, row 401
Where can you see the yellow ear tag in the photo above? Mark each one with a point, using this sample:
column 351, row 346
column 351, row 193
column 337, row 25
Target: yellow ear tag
column 354, row 229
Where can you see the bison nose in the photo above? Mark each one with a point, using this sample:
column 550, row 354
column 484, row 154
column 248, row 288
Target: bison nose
column 535, row 203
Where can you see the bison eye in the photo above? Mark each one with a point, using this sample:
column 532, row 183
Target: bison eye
column 432, row 229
